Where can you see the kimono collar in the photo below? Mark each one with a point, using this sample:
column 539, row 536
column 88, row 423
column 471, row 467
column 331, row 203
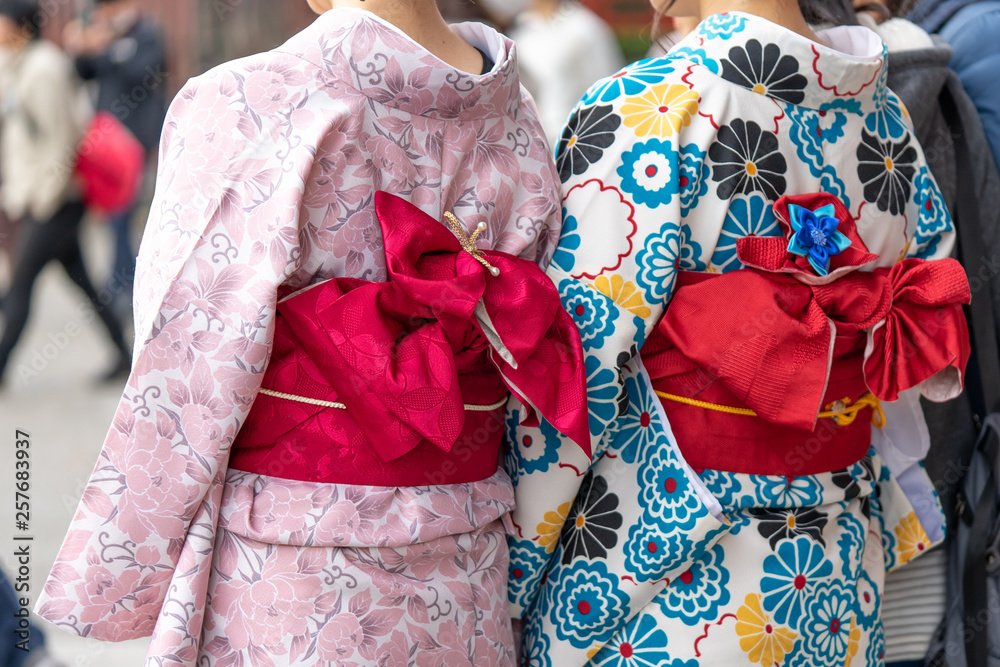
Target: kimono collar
column 847, row 72
column 362, row 51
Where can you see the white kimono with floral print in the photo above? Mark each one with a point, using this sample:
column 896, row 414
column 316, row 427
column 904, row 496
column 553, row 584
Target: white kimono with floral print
column 634, row 558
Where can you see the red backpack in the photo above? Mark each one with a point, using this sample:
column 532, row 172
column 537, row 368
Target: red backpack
column 109, row 164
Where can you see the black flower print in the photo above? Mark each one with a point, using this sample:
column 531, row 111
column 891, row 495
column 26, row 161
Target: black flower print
column 591, row 526
column 886, row 169
column 845, row 480
column 764, row 70
column 623, row 398
column 589, row 131
column 784, row 524
column 747, row 158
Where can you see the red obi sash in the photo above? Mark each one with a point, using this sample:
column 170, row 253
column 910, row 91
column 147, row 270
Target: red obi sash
column 417, row 362
column 787, row 344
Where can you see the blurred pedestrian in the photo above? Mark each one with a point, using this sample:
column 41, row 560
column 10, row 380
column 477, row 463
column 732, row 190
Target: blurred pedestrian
column 971, row 28
column 44, row 118
column 123, row 51
column 563, row 47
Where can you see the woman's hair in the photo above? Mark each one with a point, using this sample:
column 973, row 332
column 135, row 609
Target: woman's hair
column 25, row 14
column 888, row 8
column 838, row 12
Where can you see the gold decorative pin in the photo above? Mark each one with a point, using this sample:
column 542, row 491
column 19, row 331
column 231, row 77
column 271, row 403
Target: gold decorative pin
column 469, row 242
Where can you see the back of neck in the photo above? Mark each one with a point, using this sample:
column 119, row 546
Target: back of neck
column 422, row 22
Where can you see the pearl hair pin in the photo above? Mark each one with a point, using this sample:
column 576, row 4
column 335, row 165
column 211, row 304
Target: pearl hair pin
column 469, row 242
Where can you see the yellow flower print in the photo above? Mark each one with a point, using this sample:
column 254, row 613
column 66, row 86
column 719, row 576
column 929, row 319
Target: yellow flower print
column 624, row 293
column 549, row 529
column 853, row 640
column 912, row 539
column 661, row 111
column 764, row 642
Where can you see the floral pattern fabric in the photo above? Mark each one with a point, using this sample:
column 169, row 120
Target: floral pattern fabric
column 268, row 170
column 712, row 567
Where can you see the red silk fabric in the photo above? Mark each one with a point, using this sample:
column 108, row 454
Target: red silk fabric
column 767, row 341
column 405, row 356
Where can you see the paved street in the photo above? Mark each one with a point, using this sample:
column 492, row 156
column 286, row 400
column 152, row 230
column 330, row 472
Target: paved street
column 51, row 394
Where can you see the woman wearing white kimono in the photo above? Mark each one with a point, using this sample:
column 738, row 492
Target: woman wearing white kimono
column 303, row 466
column 756, row 441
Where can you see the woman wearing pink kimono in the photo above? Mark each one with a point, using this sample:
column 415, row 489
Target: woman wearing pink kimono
column 303, row 468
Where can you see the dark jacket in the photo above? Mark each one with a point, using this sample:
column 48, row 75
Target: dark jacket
column 925, row 83
column 972, row 28
column 132, row 80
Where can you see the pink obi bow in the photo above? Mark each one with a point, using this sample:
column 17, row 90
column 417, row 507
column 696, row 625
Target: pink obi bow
column 768, row 332
column 393, row 351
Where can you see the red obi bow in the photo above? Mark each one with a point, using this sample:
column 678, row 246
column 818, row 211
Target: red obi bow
column 393, row 351
column 768, row 336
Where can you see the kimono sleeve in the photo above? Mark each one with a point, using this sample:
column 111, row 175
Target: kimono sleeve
column 621, row 247
column 934, row 234
column 217, row 245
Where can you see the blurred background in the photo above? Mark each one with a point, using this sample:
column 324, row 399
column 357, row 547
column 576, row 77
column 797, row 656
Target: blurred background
column 202, row 33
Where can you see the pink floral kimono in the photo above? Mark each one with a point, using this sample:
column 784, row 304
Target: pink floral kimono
column 269, row 170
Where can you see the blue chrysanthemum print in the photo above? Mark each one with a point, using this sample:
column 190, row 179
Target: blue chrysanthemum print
column 774, row 491
column 697, row 56
column 639, row 644
column 631, row 80
column 722, row 26
column 654, row 548
column 527, row 561
column 535, row 646
column 592, row 312
column 933, row 218
column 850, row 105
column 691, row 253
column 529, row 453
column 751, row 215
column 650, row 173
column 725, row 486
column 589, row 605
column 875, row 655
column 640, row 330
column 834, row 184
column 889, row 121
column 658, row 263
column 698, row 593
column 569, row 242
column 812, row 132
column 869, row 602
column 602, row 394
column 851, row 544
column 826, row 627
column 666, row 491
column 791, row 575
column 694, row 176
column 637, row 430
